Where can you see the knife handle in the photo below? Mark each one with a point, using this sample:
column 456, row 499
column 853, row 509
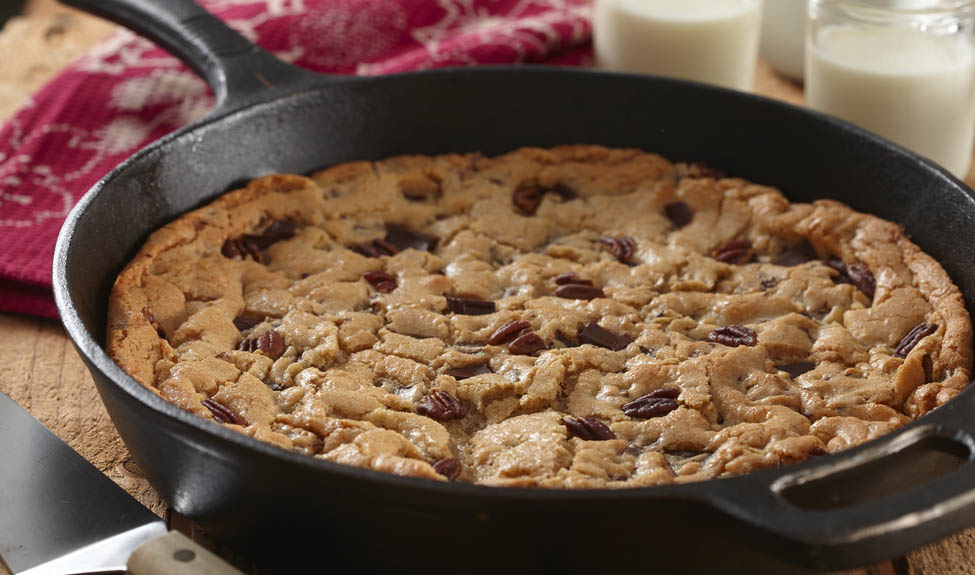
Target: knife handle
column 176, row 554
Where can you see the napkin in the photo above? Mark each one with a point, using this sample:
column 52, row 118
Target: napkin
column 126, row 92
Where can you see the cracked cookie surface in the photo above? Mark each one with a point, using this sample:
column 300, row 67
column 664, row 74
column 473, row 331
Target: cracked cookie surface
column 575, row 317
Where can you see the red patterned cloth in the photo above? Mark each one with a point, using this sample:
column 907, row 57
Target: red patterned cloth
column 126, row 93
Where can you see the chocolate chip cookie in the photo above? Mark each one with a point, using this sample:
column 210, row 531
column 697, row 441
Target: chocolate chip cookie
column 576, row 317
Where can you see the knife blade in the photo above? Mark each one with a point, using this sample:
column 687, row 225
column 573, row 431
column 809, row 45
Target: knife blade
column 59, row 514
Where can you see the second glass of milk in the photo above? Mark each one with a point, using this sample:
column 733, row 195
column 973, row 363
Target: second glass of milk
column 904, row 69
column 711, row 41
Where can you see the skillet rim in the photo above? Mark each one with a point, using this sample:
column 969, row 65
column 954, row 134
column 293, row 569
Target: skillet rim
column 96, row 357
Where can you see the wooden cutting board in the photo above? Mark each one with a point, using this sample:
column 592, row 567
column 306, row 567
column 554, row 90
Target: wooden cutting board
column 40, row 370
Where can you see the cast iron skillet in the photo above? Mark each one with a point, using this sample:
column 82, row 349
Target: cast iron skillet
column 872, row 503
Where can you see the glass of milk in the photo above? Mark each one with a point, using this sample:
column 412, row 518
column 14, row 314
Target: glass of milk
column 712, row 41
column 904, row 69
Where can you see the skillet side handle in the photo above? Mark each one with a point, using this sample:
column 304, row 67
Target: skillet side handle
column 821, row 517
column 239, row 72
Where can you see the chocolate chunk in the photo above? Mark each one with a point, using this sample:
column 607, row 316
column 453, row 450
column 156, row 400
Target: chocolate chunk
column 570, row 278
column 526, row 344
column 270, row 343
column 152, row 322
column 862, row 277
column 470, row 306
column 769, row 283
column 579, row 291
column 856, row 273
column 796, row 255
column 276, row 232
column 441, row 406
column 222, row 413
column 735, row 252
column 679, row 214
column 596, row 335
column 648, row 407
column 242, row 248
column 797, row 369
column 528, row 198
column 621, row 247
column 469, row 371
column 733, row 336
column 247, row 320
column 588, row 429
column 508, row 331
column 377, row 249
column 449, row 467
column 405, row 238
column 914, row 337
column 382, row 281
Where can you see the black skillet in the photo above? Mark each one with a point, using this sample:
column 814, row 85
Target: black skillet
column 866, row 505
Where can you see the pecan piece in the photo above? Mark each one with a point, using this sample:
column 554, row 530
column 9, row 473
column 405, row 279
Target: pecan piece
column 441, row 406
column 622, row 247
column 449, row 467
column 856, row 273
column 650, row 406
column 734, row 252
column 528, row 198
column 914, row 337
column 222, row 413
column 733, row 336
column 270, row 343
column 526, row 343
column 588, row 429
column 242, row 248
column 382, row 281
column 508, row 331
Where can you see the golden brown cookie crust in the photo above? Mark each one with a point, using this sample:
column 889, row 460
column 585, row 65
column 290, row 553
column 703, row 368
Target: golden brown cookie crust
column 672, row 366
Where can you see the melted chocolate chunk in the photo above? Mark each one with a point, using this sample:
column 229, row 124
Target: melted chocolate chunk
column 405, row 238
column 679, row 214
column 468, row 371
column 797, row 369
column 252, row 246
column 578, row 291
column 469, row 306
column 276, row 232
column 441, row 406
column 242, row 248
column 735, row 252
column 596, row 335
column 247, row 320
column 508, row 332
column 449, row 467
column 914, row 337
column 222, row 413
column 588, row 429
column 155, row 324
column 733, row 336
column 795, row 255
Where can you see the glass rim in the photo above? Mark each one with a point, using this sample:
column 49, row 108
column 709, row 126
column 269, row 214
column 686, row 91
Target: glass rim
column 936, row 7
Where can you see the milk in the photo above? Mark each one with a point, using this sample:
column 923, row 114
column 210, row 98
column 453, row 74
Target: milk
column 713, row 41
column 783, row 43
column 913, row 88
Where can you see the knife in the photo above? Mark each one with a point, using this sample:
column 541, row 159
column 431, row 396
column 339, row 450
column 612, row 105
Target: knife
column 59, row 515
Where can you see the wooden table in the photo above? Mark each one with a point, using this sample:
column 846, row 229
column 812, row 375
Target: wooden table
column 40, row 370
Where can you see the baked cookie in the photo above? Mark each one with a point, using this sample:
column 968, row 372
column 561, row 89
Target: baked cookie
column 576, row 317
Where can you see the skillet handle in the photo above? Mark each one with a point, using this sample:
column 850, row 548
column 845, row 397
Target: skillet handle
column 869, row 505
column 239, row 72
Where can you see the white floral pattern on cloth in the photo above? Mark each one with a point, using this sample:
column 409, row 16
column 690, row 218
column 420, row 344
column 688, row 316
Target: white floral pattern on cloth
column 126, row 92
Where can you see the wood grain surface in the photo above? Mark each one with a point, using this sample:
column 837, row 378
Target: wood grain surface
column 40, row 370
